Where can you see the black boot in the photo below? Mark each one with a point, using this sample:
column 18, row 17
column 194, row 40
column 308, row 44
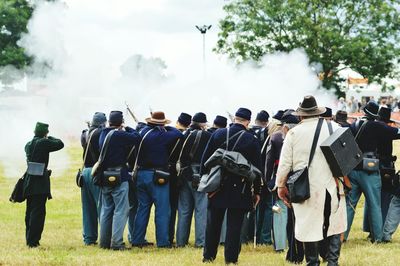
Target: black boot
column 312, row 253
column 334, row 250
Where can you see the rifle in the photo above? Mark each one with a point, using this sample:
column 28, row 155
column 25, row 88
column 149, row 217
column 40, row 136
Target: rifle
column 231, row 117
column 131, row 113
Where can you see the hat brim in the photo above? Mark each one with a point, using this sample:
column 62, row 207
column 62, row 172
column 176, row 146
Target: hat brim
column 157, row 122
column 315, row 112
column 370, row 113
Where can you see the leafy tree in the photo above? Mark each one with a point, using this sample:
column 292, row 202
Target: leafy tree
column 363, row 35
column 14, row 17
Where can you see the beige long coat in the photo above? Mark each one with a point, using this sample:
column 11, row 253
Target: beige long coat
column 310, row 214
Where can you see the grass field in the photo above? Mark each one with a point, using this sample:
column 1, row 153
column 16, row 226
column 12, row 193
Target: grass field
column 62, row 244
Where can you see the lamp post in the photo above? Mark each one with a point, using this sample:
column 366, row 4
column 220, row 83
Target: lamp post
column 203, row 30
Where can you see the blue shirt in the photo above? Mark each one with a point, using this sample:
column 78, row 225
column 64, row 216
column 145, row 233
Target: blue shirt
column 157, row 146
column 121, row 143
column 373, row 134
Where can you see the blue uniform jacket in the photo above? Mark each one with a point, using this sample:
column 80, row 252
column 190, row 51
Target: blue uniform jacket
column 234, row 192
column 120, row 145
column 157, row 146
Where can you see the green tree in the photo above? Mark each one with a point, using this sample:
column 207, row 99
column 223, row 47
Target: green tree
column 363, row 35
column 14, row 17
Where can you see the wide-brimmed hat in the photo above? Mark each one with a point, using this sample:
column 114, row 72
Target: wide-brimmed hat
column 341, row 118
column 289, row 119
column 371, row 109
column 385, row 114
column 278, row 115
column 309, row 107
column 158, row 118
column 328, row 113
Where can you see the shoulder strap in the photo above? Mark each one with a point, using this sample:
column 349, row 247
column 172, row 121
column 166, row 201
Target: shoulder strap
column 184, row 145
column 173, row 149
column 104, row 148
column 87, row 147
column 33, row 152
column 237, row 140
column 195, row 145
column 360, row 128
column 140, row 147
column 230, row 138
column 329, row 127
column 265, row 144
column 315, row 140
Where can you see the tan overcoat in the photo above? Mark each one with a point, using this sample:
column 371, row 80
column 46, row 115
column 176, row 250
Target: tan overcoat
column 310, row 214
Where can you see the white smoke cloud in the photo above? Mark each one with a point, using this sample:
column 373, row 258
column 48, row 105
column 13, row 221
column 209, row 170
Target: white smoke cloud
column 103, row 54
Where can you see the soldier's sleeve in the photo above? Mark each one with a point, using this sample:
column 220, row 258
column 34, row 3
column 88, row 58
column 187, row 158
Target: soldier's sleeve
column 269, row 160
column 83, row 138
column 257, row 161
column 53, row 144
column 285, row 161
column 390, row 132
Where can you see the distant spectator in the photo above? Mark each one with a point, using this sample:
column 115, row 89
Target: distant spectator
column 341, row 104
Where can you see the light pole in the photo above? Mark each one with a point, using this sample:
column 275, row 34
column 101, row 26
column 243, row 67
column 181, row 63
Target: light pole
column 203, row 30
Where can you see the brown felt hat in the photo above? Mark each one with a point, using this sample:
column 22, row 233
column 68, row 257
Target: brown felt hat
column 309, row 107
column 158, row 118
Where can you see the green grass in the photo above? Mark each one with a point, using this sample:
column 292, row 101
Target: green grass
column 61, row 242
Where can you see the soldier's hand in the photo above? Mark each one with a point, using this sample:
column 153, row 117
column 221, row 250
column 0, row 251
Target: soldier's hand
column 256, row 200
column 283, row 194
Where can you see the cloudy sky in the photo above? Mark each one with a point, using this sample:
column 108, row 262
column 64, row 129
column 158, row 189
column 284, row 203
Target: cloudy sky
column 162, row 28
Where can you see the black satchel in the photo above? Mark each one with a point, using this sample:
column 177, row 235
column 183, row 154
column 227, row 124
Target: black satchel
column 112, row 176
column 192, row 171
column 369, row 162
column 79, row 175
column 17, row 194
column 298, row 182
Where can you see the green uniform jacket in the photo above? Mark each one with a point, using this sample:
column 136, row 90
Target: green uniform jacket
column 37, row 150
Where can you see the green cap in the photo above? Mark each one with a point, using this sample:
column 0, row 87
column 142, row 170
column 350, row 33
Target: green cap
column 41, row 129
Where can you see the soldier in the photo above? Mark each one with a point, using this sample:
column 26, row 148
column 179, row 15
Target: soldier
column 282, row 227
column 369, row 133
column 387, row 167
column 158, row 142
column 190, row 200
column 219, row 122
column 235, row 194
column 393, row 217
column 182, row 125
column 264, row 208
column 37, row 185
column 89, row 192
column 117, row 142
column 314, row 218
column 341, row 118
